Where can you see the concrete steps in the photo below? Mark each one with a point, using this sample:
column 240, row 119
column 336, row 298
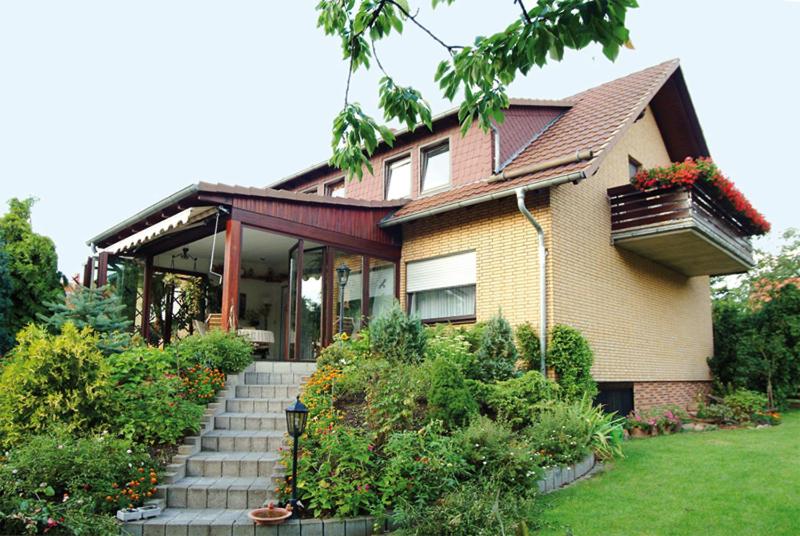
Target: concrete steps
column 250, row 421
column 243, row 440
column 234, row 464
column 225, row 492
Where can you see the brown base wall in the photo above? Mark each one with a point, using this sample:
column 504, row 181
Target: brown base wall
column 649, row 394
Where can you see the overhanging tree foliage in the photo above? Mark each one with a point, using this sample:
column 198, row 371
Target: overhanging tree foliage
column 479, row 72
column 32, row 263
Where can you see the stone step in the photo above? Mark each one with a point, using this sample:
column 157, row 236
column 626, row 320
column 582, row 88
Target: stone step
column 283, row 367
column 230, row 522
column 233, row 464
column 278, row 392
column 225, row 492
column 250, row 421
column 270, row 378
column 257, row 405
column 243, row 440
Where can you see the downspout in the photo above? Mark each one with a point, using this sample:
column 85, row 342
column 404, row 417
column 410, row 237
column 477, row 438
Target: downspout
column 542, row 279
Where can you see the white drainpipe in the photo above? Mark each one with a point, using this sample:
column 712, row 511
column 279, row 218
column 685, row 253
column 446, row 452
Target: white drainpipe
column 542, row 278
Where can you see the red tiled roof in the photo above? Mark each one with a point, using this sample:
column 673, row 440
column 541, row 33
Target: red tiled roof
column 596, row 121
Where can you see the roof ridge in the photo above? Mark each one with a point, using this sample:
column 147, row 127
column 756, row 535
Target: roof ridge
column 581, row 94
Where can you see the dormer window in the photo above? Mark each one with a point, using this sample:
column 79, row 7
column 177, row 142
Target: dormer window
column 435, row 167
column 335, row 189
column 398, row 178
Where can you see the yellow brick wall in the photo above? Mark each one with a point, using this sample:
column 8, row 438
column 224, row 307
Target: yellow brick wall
column 506, row 252
column 644, row 321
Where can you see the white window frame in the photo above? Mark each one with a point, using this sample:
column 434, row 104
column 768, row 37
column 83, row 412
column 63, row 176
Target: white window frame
column 387, row 168
column 326, row 187
column 452, row 271
column 423, row 150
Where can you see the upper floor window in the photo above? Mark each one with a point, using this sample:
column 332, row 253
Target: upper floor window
column 435, row 167
column 335, row 189
column 312, row 191
column 398, row 178
column 634, row 167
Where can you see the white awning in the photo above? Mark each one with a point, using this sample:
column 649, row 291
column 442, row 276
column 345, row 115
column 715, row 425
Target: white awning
column 180, row 221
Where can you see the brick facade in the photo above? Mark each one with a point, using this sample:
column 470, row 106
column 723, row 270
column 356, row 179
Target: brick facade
column 506, row 253
column 649, row 394
column 644, row 321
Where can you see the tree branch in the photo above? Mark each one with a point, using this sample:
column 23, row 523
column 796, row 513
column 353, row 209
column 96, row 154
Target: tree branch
column 524, row 11
column 413, row 18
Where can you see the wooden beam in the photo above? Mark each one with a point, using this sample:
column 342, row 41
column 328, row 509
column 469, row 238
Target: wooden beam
column 364, row 290
column 230, row 275
column 88, row 268
column 102, row 269
column 147, row 291
column 298, row 298
column 317, row 234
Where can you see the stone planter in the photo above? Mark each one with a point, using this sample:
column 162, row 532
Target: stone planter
column 557, row 477
column 129, row 514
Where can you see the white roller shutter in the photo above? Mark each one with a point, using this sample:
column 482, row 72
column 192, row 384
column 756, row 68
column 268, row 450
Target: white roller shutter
column 443, row 272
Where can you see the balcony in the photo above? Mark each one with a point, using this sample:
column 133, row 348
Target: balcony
column 683, row 228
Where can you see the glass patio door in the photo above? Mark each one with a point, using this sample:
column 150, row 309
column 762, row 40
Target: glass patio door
column 306, row 291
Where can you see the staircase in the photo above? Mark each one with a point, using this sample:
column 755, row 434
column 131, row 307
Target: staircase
column 233, row 465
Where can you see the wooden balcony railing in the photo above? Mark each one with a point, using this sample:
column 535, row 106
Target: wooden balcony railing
column 636, row 214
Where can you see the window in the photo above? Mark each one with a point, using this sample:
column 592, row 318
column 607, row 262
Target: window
column 398, row 178
column 634, row 167
column 381, row 286
column 335, row 189
column 311, row 191
column 442, row 289
column 436, row 167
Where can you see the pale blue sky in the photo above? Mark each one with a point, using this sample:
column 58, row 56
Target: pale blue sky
column 106, row 107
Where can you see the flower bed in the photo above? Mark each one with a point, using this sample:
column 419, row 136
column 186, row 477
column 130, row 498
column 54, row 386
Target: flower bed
column 705, row 171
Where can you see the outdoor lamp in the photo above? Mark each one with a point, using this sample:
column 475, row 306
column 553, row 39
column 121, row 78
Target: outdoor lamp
column 344, row 274
column 296, row 415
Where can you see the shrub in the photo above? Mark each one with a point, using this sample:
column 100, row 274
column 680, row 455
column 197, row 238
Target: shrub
column 471, row 509
column 494, row 452
column 339, row 475
column 449, row 343
column 97, row 308
column 153, row 412
column 449, row 398
column 340, row 353
column 561, row 435
column 398, row 337
column 745, row 404
column 571, row 357
column 217, row 349
column 140, row 364
column 662, row 419
column 516, row 401
column 62, row 471
column 421, row 466
column 397, row 398
column 528, row 345
column 199, row 384
column 496, row 354
column 52, row 379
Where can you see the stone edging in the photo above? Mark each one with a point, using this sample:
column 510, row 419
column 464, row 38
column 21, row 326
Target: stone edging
column 558, row 477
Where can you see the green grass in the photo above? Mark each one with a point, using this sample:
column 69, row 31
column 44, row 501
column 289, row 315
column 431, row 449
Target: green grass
column 728, row 482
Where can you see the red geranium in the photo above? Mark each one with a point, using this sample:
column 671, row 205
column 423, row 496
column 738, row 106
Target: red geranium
column 688, row 172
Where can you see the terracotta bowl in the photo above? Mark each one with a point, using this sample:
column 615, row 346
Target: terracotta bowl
column 267, row 516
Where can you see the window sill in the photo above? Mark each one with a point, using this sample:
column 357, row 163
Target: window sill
column 469, row 319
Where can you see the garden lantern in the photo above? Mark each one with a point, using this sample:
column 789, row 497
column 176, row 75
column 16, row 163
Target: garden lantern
column 343, row 271
column 296, row 415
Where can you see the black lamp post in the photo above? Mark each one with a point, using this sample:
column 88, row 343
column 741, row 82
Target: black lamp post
column 296, row 415
column 343, row 271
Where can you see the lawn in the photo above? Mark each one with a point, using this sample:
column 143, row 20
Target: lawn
column 723, row 482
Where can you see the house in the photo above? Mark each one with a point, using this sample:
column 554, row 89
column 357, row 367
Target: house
column 448, row 225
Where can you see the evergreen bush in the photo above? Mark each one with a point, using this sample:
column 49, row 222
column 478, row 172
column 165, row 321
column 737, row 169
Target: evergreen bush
column 528, row 346
column 571, row 357
column 496, row 354
column 516, row 401
column 51, row 379
column 449, row 398
column 397, row 337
